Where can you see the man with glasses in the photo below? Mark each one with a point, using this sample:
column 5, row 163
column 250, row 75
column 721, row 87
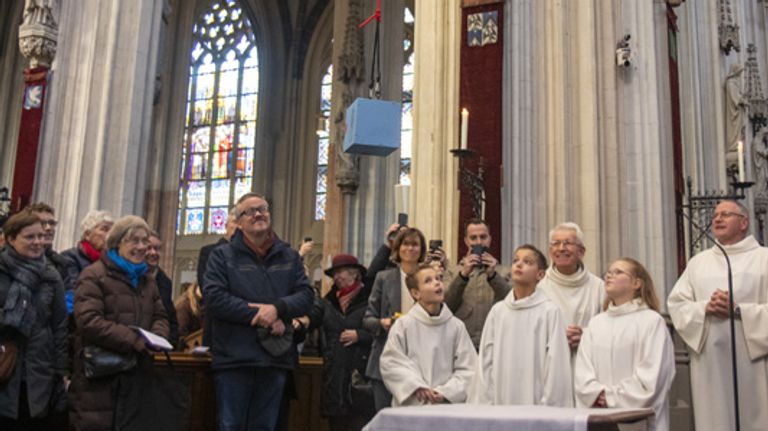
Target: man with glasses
column 477, row 282
column 164, row 284
column 699, row 308
column 48, row 220
column 568, row 283
column 253, row 287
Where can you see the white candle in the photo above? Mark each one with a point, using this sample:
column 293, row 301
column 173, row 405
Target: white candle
column 464, row 127
column 740, row 151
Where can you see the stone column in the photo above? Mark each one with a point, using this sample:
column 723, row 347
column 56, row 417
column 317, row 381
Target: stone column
column 12, row 65
column 98, row 122
column 434, row 200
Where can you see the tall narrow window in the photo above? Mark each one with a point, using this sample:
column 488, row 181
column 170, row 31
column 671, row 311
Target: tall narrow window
column 321, row 185
column 219, row 137
column 406, row 130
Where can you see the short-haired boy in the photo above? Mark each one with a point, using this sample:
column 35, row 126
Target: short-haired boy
column 429, row 357
column 524, row 355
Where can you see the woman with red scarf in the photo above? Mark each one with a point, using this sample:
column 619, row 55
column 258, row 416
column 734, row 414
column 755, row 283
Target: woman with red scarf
column 343, row 340
column 94, row 228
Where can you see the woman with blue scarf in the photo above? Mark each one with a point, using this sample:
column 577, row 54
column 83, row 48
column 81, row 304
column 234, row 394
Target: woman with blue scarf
column 113, row 296
column 33, row 329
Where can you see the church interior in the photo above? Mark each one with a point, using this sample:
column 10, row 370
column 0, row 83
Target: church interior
column 630, row 118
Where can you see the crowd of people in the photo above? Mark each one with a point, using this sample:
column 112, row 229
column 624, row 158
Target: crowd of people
column 409, row 329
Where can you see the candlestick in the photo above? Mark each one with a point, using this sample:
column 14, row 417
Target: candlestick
column 464, row 127
column 740, row 151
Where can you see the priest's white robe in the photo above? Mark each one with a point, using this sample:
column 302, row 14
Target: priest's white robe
column 628, row 353
column 580, row 296
column 524, row 355
column 424, row 351
column 708, row 338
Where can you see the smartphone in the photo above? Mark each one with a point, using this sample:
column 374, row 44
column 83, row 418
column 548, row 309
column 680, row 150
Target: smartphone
column 478, row 249
column 402, row 219
column 307, row 238
column 435, row 244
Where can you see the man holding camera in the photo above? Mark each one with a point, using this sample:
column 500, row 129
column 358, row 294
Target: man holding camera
column 477, row 282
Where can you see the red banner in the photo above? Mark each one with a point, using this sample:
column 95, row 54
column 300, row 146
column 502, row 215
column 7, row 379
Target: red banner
column 35, row 81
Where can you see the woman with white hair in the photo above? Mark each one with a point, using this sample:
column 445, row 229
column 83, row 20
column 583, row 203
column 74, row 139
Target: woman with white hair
column 93, row 237
column 114, row 296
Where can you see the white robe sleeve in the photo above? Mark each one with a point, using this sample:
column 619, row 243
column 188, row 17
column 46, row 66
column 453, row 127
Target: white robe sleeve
column 755, row 320
column 688, row 315
column 586, row 387
column 558, row 385
column 464, row 365
column 482, row 387
column 400, row 373
column 652, row 378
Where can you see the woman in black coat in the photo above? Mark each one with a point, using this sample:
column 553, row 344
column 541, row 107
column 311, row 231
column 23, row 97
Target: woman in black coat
column 343, row 340
column 33, row 322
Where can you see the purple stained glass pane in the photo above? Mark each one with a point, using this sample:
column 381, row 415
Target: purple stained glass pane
column 201, row 139
column 195, row 194
column 194, row 225
column 219, row 192
column 198, row 167
column 247, row 135
column 218, row 220
column 320, row 206
column 244, row 166
column 322, row 151
column 322, row 179
column 178, row 222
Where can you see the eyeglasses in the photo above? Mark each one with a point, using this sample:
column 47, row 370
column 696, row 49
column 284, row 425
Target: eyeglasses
column 136, row 240
column 726, row 214
column 32, row 237
column 51, row 223
column 264, row 209
column 566, row 244
column 616, row 273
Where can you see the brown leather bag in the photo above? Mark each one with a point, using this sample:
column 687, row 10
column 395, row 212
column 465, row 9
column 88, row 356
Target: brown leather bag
column 8, row 353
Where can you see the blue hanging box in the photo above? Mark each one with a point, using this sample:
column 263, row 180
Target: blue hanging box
column 373, row 127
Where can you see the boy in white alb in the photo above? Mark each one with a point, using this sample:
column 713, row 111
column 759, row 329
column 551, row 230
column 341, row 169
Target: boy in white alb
column 524, row 355
column 429, row 357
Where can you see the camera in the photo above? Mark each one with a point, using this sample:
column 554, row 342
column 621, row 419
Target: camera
column 435, row 244
column 624, row 52
column 478, row 249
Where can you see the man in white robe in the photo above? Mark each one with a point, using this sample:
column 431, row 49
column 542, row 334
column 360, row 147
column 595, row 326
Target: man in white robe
column 579, row 293
column 626, row 353
column 428, row 351
column 698, row 306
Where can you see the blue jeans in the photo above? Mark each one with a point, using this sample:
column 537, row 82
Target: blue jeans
column 248, row 398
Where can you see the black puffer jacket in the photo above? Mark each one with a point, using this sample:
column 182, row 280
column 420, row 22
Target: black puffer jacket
column 42, row 358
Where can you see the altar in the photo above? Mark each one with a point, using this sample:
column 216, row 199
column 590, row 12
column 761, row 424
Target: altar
column 462, row 417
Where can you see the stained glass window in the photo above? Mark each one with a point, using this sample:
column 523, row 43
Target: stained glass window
column 406, row 128
column 220, row 128
column 321, row 183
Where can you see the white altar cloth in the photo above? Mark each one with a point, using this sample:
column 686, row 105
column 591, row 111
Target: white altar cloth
column 466, row 417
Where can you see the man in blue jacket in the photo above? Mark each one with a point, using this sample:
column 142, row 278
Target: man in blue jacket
column 253, row 287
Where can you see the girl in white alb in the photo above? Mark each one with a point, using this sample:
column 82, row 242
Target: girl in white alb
column 626, row 357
